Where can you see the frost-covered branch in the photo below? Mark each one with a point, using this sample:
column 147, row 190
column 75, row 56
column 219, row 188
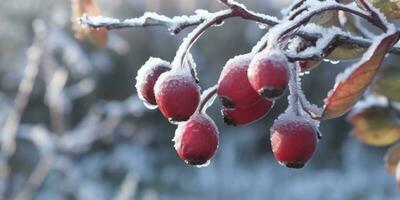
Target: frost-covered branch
column 174, row 25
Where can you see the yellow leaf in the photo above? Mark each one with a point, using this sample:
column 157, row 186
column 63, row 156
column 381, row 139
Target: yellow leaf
column 390, row 8
column 388, row 83
column 375, row 126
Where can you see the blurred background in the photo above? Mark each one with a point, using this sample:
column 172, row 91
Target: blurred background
column 70, row 111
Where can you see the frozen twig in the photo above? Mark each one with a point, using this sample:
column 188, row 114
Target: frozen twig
column 54, row 99
column 36, row 178
column 174, row 25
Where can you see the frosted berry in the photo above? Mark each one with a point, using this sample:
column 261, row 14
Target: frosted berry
column 293, row 141
column 246, row 115
column 268, row 73
column 177, row 95
column 146, row 78
column 234, row 88
column 196, row 140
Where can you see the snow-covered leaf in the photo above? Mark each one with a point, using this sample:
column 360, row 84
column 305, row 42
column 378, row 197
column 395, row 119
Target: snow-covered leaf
column 392, row 158
column 353, row 82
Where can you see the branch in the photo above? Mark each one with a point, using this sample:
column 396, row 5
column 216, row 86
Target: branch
column 340, row 38
column 175, row 25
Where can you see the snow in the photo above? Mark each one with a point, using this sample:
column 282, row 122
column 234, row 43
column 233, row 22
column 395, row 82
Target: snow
column 175, row 78
column 237, row 63
column 297, row 100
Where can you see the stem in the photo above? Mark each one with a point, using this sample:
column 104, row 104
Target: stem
column 375, row 16
column 207, row 96
column 196, row 33
column 294, row 98
column 305, row 19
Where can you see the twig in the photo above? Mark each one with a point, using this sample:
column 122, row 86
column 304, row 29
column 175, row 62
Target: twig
column 24, row 91
column 36, row 178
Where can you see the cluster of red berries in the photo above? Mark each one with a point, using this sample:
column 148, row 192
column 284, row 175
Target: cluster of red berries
column 248, row 86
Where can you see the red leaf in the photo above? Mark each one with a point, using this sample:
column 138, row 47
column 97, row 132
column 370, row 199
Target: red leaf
column 351, row 85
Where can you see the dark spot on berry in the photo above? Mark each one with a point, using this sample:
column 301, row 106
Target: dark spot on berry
column 294, row 165
column 226, row 102
column 227, row 119
column 271, row 92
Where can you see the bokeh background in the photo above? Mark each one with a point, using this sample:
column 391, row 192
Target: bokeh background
column 84, row 134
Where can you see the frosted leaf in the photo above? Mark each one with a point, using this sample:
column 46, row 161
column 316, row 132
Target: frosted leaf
column 367, row 55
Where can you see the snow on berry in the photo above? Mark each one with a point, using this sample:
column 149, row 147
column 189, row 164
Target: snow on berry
column 196, row 140
column 233, row 85
column 177, row 95
column 146, row 78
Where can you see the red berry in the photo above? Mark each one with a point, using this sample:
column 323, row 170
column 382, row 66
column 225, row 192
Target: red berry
column 245, row 115
column 146, row 78
column 196, row 140
column 268, row 74
column 234, row 88
column 293, row 141
column 177, row 95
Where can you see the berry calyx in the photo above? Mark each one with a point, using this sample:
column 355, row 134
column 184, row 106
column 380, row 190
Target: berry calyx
column 177, row 95
column 196, row 140
column 293, row 141
column 268, row 73
column 146, row 78
column 246, row 115
column 234, row 88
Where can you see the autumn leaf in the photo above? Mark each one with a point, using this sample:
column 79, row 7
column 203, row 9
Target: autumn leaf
column 352, row 83
column 376, row 126
column 80, row 7
column 398, row 174
column 392, row 158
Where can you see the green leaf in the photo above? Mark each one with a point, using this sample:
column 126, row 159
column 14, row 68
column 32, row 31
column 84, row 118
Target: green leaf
column 390, row 8
column 376, row 126
column 388, row 83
